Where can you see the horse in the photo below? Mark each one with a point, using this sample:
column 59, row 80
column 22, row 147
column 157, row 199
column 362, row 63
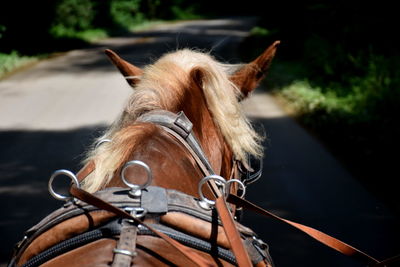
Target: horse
column 208, row 92
column 201, row 97
column 140, row 199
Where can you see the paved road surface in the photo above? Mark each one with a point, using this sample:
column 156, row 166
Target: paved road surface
column 50, row 113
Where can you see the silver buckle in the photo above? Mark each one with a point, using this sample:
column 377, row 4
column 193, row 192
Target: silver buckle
column 137, row 212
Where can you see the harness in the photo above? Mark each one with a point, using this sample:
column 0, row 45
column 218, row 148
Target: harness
column 148, row 201
column 154, row 202
column 120, row 212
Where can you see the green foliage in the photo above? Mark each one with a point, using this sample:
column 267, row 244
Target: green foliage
column 355, row 114
column 85, row 35
column 12, row 61
column 73, row 15
column 259, row 31
column 184, row 13
column 126, row 13
column 353, row 98
column 306, row 99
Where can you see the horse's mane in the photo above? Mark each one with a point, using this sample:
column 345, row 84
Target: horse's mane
column 162, row 86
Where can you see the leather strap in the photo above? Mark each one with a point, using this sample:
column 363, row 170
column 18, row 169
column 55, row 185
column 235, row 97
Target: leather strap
column 180, row 125
column 231, row 231
column 97, row 202
column 242, row 257
column 86, row 170
column 126, row 246
column 317, row 235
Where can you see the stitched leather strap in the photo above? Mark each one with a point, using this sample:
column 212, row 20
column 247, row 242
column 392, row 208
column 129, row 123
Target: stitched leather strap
column 95, row 201
column 126, row 246
column 317, row 235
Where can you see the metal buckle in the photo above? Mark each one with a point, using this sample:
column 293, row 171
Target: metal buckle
column 125, row 252
column 137, row 212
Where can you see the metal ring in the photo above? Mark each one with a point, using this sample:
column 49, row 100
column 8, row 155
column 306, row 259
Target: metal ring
column 136, row 187
column 203, row 181
column 241, row 184
column 102, row 141
column 66, row 173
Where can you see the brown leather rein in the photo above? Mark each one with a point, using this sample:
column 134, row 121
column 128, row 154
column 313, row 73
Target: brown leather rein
column 178, row 126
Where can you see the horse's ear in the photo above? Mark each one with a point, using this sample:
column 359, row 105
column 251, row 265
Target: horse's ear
column 248, row 77
column 130, row 72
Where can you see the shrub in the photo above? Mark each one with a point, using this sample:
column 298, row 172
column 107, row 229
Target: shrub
column 126, row 13
column 73, row 15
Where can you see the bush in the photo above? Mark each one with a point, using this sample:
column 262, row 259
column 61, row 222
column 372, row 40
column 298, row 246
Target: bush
column 11, row 61
column 73, row 15
column 126, row 13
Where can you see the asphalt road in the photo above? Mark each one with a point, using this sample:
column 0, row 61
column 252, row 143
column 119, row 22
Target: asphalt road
column 50, row 113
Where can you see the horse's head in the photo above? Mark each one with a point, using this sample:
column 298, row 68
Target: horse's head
column 207, row 91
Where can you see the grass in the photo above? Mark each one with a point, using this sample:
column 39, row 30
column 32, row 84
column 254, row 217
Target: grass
column 12, row 61
column 145, row 25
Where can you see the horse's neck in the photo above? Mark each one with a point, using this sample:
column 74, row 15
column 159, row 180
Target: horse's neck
column 171, row 164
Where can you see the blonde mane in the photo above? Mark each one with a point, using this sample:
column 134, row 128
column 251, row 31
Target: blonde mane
column 162, row 86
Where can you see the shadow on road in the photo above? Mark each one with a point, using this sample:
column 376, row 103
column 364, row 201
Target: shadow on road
column 291, row 186
column 27, row 159
column 300, row 182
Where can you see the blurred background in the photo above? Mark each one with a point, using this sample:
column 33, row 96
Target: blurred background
column 337, row 71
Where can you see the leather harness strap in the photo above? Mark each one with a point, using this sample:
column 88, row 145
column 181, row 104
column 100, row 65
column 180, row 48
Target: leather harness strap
column 126, row 246
column 232, row 233
column 85, row 171
column 180, row 126
column 97, row 202
column 317, row 235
